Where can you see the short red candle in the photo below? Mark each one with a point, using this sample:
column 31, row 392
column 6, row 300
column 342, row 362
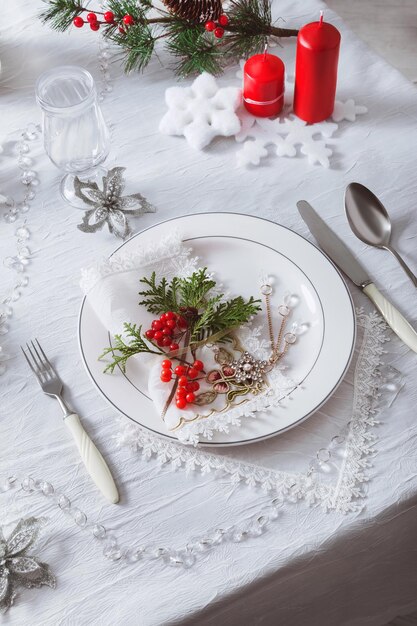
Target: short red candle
column 263, row 85
column 317, row 56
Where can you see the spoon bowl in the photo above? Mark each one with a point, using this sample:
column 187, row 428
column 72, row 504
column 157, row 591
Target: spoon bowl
column 370, row 222
column 367, row 216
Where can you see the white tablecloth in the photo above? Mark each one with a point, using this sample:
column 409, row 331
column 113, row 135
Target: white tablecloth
column 310, row 568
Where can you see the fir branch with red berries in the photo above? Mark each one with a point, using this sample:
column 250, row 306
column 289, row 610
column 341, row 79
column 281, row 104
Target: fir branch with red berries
column 197, row 33
column 189, row 315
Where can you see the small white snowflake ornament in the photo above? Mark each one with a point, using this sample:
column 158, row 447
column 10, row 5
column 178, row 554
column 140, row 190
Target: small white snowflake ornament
column 285, row 135
column 347, row 111
column 202, row 111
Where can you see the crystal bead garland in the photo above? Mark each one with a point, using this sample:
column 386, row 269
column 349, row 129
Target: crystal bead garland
column 185, row 557
column 15, row 216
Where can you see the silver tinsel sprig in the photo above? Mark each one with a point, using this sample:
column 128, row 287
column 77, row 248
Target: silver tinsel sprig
column 108, row 206
column 17, row 567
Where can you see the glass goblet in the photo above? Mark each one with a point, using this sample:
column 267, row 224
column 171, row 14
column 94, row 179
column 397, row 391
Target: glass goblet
column 76, row 137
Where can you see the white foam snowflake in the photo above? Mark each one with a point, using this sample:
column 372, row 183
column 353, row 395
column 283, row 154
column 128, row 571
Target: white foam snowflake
column 347, row 111
column 285, row 134
column 202, row 111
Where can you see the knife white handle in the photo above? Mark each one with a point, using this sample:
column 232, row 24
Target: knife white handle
column 95, row 464
column 393, row 317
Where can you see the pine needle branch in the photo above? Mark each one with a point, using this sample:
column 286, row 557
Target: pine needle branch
column 122, row 351
column 60, row 13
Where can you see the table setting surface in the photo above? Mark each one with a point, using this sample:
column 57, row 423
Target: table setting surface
column 312, row 567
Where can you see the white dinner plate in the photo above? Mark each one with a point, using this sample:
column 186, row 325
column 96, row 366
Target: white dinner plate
column 239, row 249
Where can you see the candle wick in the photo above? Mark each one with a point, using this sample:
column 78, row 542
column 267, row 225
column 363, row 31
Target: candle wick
column 265, row 50
column 321, row 17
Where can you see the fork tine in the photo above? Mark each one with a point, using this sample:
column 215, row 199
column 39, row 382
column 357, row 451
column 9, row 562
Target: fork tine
column 44, row 356
column 35, row 362
column 28, row 360
column 42, row 364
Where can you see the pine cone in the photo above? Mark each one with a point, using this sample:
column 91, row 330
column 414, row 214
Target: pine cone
column 198, row 11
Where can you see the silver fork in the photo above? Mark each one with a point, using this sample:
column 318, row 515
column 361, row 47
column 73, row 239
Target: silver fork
column 51, row 384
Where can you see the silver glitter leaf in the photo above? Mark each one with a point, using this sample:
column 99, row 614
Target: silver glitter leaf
column 24, row 536
column 108, row 206
column 22, row 565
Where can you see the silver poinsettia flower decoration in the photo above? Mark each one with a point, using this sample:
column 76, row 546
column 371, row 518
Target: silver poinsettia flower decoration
column 108, row 206
column 17, row 567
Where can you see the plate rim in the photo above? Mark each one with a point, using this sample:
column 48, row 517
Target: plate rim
column 262, row 437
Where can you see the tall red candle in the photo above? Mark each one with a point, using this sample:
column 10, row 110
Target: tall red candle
column 317, row 56
column 263, row 85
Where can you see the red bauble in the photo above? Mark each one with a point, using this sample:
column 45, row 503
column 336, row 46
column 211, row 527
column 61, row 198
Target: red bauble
column 182, row 381
column 166, row 364
column 173, row 347
column 150, row 334
column 223, row 20
column 219, row 32
column 78, row 21
column 167, row 332
column 169, row 315
column 180, row 370
column 195, row 385
column 190, row 397
column 181, row 392
column 166, row 341
column 91, row 18
column 94, row 25
column 158, row 335
column 170, row 323
column 198, row 365
column 181, row 403
column 109, row 17
column 157, row 325
column 128, row 20
column 210, row 26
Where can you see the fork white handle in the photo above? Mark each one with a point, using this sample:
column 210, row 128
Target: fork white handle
column 95, row 464
column 392, row 316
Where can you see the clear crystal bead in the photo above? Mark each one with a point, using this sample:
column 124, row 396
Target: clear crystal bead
column 24, row 208
column 79, row 517
column 30, row 195
column 133, row 555
column 47, row 488
column 266, row 290
column 290, row 338
column 23, row 232
column 112, row 553
column 22, row 147
column 283, row 310
column 24, row 162
column 64, row 503
column 99, row 531
column 28, row 484
column 9, row 218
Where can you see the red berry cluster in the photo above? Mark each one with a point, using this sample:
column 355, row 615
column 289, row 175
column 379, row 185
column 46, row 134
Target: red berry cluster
column 186, row 376
column 108, row 18
column 166, row 329
column 217, row 28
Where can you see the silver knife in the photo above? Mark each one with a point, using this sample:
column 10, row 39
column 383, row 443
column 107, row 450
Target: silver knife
column 340, row 254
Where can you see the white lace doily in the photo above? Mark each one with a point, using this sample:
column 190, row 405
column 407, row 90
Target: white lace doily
column 336, row 490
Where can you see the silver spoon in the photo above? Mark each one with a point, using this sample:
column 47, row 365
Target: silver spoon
column 370, row 222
